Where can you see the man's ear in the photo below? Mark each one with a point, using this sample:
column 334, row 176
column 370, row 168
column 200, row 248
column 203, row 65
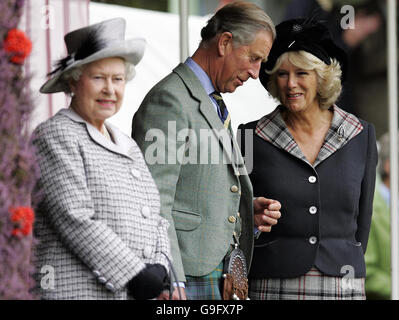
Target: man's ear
column 225, row 43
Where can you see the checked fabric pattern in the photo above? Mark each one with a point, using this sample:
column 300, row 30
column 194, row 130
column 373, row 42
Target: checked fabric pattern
column 312, row 286
column 344, row 127
column 90, row 223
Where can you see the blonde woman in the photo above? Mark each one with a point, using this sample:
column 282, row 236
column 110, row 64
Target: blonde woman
column 324, row 161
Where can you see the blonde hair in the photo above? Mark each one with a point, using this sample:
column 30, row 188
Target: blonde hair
column 329, row 85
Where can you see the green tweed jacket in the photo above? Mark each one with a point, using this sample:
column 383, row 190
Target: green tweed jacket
column 206, row 194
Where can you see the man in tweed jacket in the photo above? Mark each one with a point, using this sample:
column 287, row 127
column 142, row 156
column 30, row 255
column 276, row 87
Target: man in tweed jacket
column 206, row 199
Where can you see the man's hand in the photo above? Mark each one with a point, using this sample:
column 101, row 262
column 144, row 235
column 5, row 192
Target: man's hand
column 266, row 213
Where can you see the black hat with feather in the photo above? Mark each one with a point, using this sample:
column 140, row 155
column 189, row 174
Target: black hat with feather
column 95, row 42
column 307, row 35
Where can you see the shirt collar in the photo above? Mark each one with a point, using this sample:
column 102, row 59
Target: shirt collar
column 344, row 127
column 201, row 75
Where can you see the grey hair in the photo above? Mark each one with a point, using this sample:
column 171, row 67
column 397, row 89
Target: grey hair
column 242, row 19
column 75, row 73
column 329, row 85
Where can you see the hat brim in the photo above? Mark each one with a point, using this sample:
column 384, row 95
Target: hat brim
column 131, row 50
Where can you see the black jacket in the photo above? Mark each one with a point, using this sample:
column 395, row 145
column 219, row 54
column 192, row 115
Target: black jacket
column 326, row 219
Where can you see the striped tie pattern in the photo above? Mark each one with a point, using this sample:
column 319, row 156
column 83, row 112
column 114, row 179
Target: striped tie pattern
column 222, row 112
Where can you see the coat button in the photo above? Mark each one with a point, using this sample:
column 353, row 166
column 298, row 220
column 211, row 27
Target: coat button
column 146, row 211
column 234, row 189
column 109, row 286
column 136, row 173
column 312, row 240
column 147, row 252
column 312, row 210
column 102, row 280
column 312, row 179
column 97, row 273
column 232, row 219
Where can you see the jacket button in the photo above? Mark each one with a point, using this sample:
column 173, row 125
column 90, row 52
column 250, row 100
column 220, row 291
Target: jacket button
column 312, row 210
column 109, row 286
column 147, row 252
column 97, row 273
column 145, row 211
column 312, row 240
column 232, row 219
column 234, row 189
column 102, row 280
column 312, row 179
column 136, row 173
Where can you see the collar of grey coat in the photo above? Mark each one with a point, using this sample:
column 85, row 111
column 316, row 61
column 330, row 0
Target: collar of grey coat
column 123, row 144
column 230, row 146
column 344, row 127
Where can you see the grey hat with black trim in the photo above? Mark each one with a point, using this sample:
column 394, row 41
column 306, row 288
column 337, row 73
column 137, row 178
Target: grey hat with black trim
column 95, row 42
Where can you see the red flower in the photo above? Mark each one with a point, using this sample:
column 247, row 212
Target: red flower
column 18, row 44
column 23, row 218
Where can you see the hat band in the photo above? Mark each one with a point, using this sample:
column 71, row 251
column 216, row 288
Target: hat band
column 71, row 59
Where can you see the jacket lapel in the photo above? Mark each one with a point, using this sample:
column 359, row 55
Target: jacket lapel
column 272, row 128
column 344, row 127
column 207, row 109
column 123, row 145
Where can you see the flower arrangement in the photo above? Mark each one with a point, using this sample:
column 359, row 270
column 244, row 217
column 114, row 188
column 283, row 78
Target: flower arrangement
column 18, row 45
column 18, row 169
column 23, row 219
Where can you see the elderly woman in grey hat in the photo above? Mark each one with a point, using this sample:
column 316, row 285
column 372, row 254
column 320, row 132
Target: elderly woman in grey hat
column 320, row 163
column 98, row 224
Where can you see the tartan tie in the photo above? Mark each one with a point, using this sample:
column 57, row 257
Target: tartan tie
column 223, row 112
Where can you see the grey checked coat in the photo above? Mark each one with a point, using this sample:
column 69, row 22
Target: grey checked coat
column 98, row 222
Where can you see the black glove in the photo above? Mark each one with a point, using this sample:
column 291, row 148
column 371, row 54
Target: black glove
column 148, row 283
